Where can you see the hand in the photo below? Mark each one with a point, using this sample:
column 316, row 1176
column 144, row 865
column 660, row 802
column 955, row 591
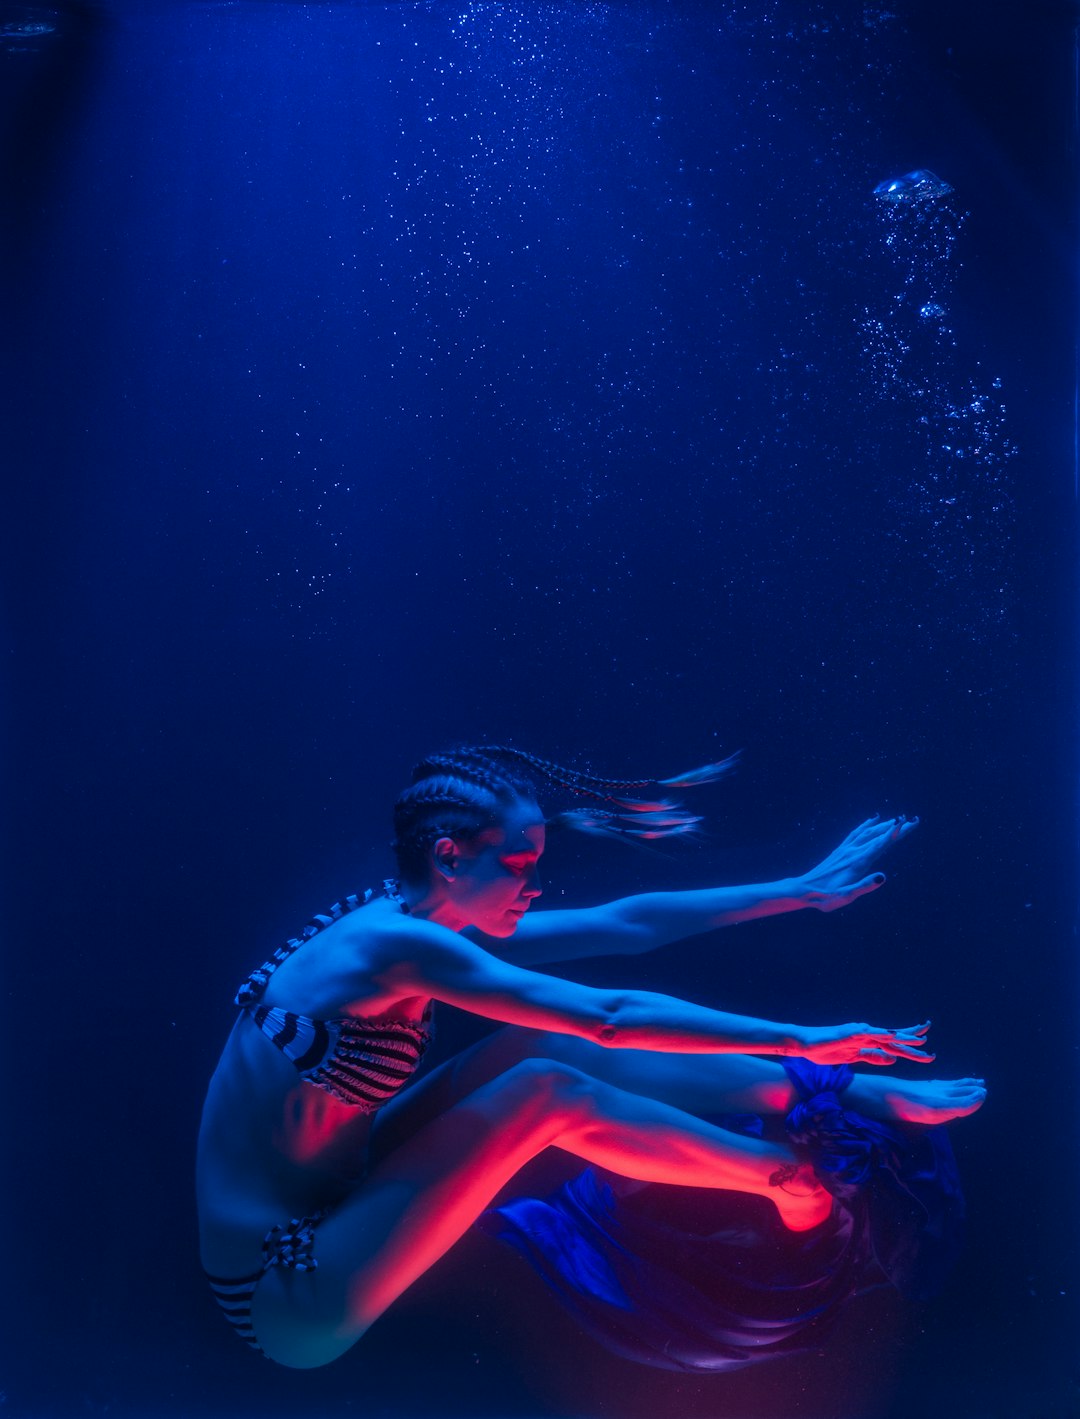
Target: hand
column 842, row 876
column 863, row 1044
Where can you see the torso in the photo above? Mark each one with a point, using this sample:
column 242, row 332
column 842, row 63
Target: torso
column 273, row 1146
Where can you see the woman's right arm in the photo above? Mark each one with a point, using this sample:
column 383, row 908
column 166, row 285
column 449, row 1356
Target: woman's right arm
column 423, row 959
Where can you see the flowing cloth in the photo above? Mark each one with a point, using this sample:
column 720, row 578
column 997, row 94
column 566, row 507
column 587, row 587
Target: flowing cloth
column 707, row 1280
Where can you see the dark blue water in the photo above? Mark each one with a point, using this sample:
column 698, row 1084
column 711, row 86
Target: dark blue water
column 386, row 376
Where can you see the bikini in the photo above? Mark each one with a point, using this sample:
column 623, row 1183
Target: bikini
column 359, row 1062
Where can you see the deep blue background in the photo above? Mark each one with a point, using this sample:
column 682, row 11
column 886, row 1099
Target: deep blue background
column 386, row 376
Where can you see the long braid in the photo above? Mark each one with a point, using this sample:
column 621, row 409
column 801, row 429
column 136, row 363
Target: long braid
column 477, row 766
column 577, row 780
column 460, row 792
column 608, row 790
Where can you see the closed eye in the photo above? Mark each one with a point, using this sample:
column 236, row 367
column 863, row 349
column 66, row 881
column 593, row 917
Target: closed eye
column 521, row 862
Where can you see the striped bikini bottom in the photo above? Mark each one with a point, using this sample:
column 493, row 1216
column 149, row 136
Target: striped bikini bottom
column 292, row 1246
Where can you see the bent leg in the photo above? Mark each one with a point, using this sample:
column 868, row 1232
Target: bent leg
column 705, row 1085
column 710, row 1085
column 420, row 1198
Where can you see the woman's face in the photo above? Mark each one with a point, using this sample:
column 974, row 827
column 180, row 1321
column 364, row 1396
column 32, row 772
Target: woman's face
column 496, row 875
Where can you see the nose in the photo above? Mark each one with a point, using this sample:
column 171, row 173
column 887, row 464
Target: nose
column 533, row 887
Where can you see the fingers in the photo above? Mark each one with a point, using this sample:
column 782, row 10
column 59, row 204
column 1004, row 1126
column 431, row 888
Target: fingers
column 864, row 831
column 889, row 1054
column 908, row 1046
column 919, row 1056
column 912, row 1030
column 904, row 1044
column 878, row 832
column 907, row 1033
column 893, row 829
column 833, row 901
column 868, row 884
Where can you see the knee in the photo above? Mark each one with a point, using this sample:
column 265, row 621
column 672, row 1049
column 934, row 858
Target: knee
column 300, row 1352
column 297, row 1324
column 550, row 1087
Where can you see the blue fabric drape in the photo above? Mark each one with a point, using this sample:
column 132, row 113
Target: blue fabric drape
column 706, row 1280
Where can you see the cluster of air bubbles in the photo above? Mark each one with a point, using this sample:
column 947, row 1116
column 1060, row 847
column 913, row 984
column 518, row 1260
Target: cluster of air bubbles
column 956, row 505
column 497, row 95
column 808, row 20
column 876, row 16
column 919, row 227
column 922, row 185
column 24, row 27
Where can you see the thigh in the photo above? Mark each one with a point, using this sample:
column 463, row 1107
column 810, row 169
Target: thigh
column 705, row 1085
column 418, row 1200
column 702, row 1084
column 434, row 1093
column 409, row 1210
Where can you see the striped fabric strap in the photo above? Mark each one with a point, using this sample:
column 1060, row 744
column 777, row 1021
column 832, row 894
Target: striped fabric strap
column 253, row 987
column 291, row 1246
column 303, row 1040
column 233, row 1295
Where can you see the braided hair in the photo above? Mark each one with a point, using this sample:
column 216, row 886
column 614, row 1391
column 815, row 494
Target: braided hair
column 461, row 792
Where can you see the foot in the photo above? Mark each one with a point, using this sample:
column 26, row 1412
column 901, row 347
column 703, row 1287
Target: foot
column 915, row 1100
column 800, row 1199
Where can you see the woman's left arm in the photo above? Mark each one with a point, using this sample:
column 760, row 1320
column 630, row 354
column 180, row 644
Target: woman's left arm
column 633, row 925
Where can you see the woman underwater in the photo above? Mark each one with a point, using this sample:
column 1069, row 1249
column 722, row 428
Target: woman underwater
column 324, row 1192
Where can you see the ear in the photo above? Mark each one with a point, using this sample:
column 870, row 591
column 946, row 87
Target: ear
column 444, row 854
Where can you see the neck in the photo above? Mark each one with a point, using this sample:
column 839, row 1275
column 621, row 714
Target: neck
column 429, row 904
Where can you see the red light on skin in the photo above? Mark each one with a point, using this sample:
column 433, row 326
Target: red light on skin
column 317, row 1129
column 777, row 1098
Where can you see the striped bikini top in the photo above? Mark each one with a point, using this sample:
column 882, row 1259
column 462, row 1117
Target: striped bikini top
column 360, row 1062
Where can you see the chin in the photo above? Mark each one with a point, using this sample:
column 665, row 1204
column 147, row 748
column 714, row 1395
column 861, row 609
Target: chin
column 503, row 926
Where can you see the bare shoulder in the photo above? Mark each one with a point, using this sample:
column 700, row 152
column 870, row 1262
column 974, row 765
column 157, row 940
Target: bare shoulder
column 357, row 966
column 388, row 951
column 394, row 940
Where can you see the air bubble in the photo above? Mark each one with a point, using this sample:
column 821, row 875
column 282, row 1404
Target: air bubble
column 922, row 185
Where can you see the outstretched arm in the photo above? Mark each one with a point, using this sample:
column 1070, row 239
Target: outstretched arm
column 637, row 924
column 424, row 959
